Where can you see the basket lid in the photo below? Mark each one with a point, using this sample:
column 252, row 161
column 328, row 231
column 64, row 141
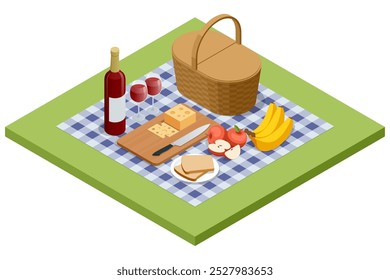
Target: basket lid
column 216, row 55
column 213, row 42
column 234, row 63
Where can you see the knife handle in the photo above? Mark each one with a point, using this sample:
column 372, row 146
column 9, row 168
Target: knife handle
column 162, row 150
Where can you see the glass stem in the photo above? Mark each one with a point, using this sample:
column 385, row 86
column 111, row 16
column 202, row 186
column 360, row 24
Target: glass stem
column 152, row 101
column 138, row 110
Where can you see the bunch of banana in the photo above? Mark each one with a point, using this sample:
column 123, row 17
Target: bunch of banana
column 272, row 131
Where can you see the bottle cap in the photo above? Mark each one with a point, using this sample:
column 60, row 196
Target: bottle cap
column 115, row 51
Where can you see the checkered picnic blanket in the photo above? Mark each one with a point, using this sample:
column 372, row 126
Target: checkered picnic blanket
column 87, row 126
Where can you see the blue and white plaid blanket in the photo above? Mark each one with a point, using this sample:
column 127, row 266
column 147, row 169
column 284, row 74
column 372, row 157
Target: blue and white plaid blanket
column 87, row 126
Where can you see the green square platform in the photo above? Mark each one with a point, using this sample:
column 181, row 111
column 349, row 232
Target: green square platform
column 352, row 132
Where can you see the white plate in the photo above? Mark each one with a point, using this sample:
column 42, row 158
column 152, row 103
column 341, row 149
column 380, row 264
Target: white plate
column 206, row 177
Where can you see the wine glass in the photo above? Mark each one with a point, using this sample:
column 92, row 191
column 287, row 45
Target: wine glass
column 153, row 82
column 138, row 93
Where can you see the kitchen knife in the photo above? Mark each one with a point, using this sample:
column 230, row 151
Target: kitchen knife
column 183, row 140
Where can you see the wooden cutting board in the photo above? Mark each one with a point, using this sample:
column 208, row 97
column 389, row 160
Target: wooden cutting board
column 144, row 143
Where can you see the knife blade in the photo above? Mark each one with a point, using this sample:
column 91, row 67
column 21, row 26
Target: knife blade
column 183, row 140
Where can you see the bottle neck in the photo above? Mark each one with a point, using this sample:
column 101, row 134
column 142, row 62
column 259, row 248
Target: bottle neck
column 114, row 67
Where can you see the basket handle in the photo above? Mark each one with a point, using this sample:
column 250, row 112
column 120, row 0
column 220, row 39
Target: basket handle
column 203, row 31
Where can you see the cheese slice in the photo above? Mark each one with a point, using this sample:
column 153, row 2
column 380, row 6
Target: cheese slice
column 168, row 130
column 197, row 163
column 157, row 130
column 192, row 176
column 163, row 130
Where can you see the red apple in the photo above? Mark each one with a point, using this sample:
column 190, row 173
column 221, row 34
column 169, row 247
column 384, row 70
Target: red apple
column 236, row 136
column 233, row 153
column 219, row 147
column 216, row 132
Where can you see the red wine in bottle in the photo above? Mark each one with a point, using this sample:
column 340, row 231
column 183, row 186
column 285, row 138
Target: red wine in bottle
column 114, row 97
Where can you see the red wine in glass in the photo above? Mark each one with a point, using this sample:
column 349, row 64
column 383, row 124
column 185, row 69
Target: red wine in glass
column 138, row 93
column 153, row 82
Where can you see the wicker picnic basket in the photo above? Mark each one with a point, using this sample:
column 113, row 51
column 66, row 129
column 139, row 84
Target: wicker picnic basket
column 216, row 71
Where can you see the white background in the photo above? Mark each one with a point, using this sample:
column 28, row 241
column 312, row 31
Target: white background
column 53, row 226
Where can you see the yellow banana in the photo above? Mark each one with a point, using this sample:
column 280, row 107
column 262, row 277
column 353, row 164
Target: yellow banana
column 276, row 120
column 267, row 118
column 274, row 140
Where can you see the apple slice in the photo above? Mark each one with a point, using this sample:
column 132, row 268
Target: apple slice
column 233, row 153
column 219, row 147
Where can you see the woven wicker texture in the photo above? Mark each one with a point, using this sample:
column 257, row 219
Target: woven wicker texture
column 220, row 98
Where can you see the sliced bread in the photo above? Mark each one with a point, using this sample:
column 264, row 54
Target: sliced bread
column 189, row 176
column 197, row 163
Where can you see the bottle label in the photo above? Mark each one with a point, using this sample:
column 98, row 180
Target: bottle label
column 117, row 109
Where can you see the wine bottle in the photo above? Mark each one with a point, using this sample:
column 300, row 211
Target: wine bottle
column 114, row 97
